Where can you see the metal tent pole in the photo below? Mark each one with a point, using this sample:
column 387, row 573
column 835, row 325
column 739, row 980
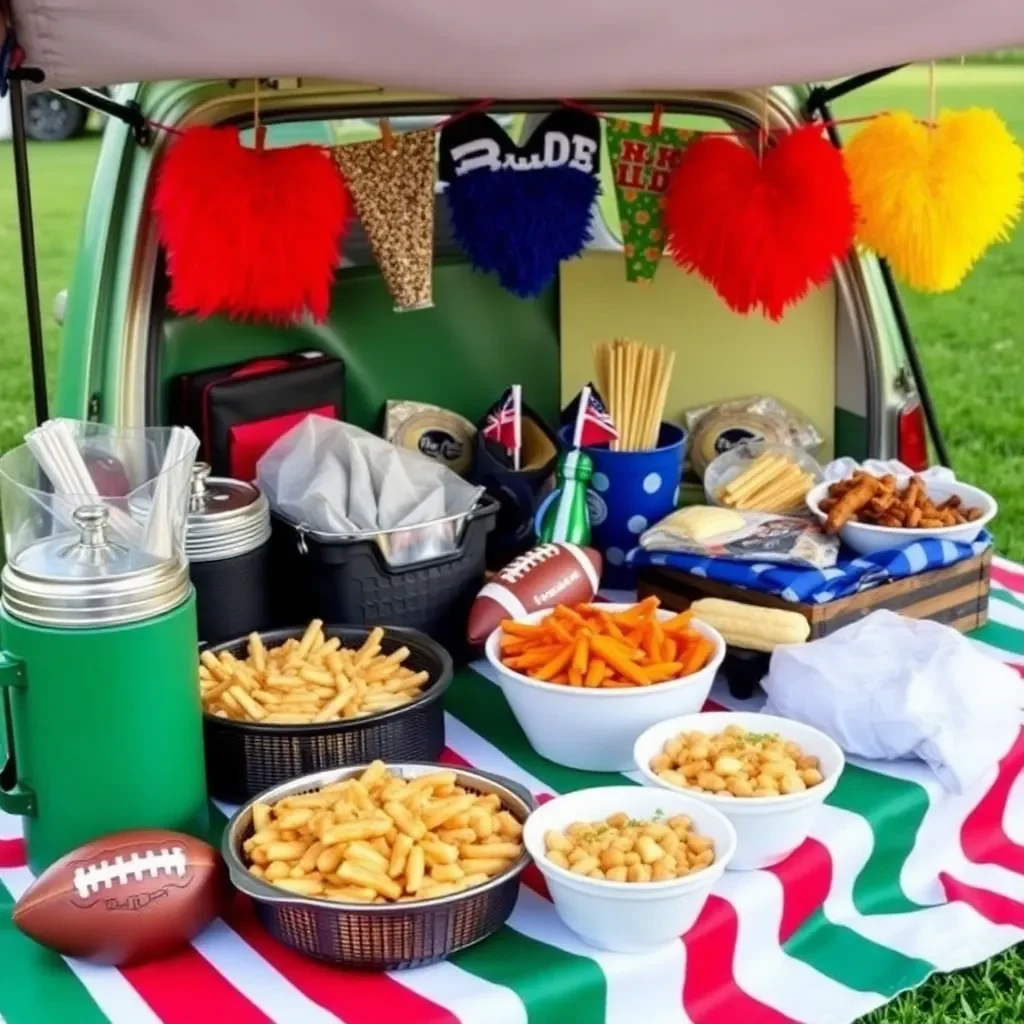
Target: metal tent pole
column 28, row 252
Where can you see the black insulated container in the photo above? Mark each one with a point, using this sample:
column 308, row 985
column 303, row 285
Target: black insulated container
column 228, row 548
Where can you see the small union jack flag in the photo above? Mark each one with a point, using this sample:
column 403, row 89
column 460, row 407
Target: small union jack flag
column 594, row 423
column 502, row 422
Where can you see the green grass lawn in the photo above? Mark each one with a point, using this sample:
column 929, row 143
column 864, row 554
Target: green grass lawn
column 61, row 178
column 971, row 341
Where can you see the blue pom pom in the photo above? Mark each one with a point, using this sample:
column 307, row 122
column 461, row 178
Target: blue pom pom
column 519, row 225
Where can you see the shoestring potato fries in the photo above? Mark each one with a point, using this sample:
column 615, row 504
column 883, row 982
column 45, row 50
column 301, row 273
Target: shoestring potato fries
column 380, row 838
column 594, row 647
column 308, row 680
column 621, row 849
column 737, row 763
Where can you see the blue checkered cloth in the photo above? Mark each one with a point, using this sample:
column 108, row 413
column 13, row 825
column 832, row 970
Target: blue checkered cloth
column 851, row 574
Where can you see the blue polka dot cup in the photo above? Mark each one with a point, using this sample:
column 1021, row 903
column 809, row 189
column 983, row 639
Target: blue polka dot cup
column 630, row 491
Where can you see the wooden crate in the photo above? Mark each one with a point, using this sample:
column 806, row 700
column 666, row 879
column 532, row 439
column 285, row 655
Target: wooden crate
column 956, row 596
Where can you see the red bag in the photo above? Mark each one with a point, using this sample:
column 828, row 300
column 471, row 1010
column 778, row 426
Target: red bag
column 239, row 411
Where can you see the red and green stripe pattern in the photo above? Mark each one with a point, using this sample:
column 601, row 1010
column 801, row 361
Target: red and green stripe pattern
column 863, row 910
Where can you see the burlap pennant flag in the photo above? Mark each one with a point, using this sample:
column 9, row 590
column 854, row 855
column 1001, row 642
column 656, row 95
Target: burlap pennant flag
column 392, row 184
column 642, row 164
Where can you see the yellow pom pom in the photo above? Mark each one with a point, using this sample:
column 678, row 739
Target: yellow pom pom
column 932, row 200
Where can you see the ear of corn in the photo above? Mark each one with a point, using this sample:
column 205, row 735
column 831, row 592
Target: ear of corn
column 755, row 629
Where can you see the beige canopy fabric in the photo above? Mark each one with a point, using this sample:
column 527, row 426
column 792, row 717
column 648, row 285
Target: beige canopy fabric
column 511, row 48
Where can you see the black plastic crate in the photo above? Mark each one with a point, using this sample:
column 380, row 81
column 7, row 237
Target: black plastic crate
column 349, row 581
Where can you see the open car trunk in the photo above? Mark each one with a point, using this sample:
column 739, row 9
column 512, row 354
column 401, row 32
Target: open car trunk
column 533, row 48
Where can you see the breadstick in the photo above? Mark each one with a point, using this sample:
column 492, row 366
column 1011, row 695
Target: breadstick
column 650, row 433
column 641, row 396
column 618, row 375
column 659, row 407
column 632, row 365
column 601, row 360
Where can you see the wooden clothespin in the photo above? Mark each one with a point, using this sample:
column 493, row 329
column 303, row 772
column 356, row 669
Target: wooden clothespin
column 656, row 120
column 387, row 136
column 763, row 128
column 259, row 131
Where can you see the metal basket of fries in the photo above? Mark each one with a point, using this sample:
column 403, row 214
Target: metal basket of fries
column 283, row 704
column 355, row 888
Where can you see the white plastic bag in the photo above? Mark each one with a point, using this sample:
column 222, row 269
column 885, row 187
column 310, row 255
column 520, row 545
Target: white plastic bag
column 888, row 687
column 334, row 478
column 840, row 469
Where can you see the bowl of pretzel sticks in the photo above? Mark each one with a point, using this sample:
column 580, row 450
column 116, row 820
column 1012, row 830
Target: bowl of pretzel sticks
column 282, row 704
column 383, row 865
column 872, row 513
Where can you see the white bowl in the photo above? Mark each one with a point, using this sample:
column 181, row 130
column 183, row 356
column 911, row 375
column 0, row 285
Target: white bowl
column 768, row 829
column 594, row 729
column 730, row 464
column 865, row 538
column 628, row 917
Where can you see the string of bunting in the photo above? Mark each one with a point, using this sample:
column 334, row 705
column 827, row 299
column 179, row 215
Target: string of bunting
column 255, row 232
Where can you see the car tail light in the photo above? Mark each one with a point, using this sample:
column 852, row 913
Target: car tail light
column 912, row 437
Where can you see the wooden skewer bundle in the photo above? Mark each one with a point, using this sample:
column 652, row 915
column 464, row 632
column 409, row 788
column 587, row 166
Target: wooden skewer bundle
column 633, row 379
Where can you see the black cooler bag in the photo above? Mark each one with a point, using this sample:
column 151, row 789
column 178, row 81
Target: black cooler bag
column 239, row 411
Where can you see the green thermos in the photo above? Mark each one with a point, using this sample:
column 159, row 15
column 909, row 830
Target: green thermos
column 99, row 705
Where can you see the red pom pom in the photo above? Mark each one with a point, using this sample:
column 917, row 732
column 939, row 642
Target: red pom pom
column 761, row 233
column 252, row 233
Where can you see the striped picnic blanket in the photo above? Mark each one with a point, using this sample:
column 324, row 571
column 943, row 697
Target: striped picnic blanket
column 899, row 879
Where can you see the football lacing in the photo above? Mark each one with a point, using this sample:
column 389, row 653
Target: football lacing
column 519, row 567
column 153, row 862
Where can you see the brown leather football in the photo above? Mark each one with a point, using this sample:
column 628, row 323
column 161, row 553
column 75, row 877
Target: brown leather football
column 125, row 898
column 543, row 577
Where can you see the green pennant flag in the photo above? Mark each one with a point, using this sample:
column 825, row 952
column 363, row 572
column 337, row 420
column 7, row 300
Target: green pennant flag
column 642, row 164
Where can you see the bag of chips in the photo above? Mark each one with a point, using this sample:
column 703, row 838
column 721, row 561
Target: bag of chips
column 713, row 532
column 715, row 429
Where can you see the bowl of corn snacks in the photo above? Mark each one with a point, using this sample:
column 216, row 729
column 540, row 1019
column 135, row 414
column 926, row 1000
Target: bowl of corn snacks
column 629, row 868
column 584, row 681
column 768, row 775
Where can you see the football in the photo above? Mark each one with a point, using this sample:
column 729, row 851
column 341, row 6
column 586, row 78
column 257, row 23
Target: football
column 546, row 575
column 126, row 898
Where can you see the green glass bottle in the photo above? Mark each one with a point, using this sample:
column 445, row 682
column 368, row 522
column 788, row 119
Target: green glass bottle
column 566, row 517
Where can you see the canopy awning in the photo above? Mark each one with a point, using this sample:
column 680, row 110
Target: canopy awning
column 499, row 48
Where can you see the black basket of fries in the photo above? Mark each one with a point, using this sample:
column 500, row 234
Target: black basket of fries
column 286, row 703
column 391, row 866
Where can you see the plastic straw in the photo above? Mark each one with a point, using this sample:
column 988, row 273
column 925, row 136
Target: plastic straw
column 55, row 447
column 170, row 495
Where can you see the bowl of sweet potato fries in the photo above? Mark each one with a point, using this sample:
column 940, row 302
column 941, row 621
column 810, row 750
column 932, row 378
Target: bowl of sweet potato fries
column 871, row 513
column 585, row 680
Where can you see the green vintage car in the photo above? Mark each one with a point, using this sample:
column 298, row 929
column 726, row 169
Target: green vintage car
column 843, row 357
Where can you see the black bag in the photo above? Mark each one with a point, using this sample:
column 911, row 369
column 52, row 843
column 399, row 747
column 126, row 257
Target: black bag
column 239, row 411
